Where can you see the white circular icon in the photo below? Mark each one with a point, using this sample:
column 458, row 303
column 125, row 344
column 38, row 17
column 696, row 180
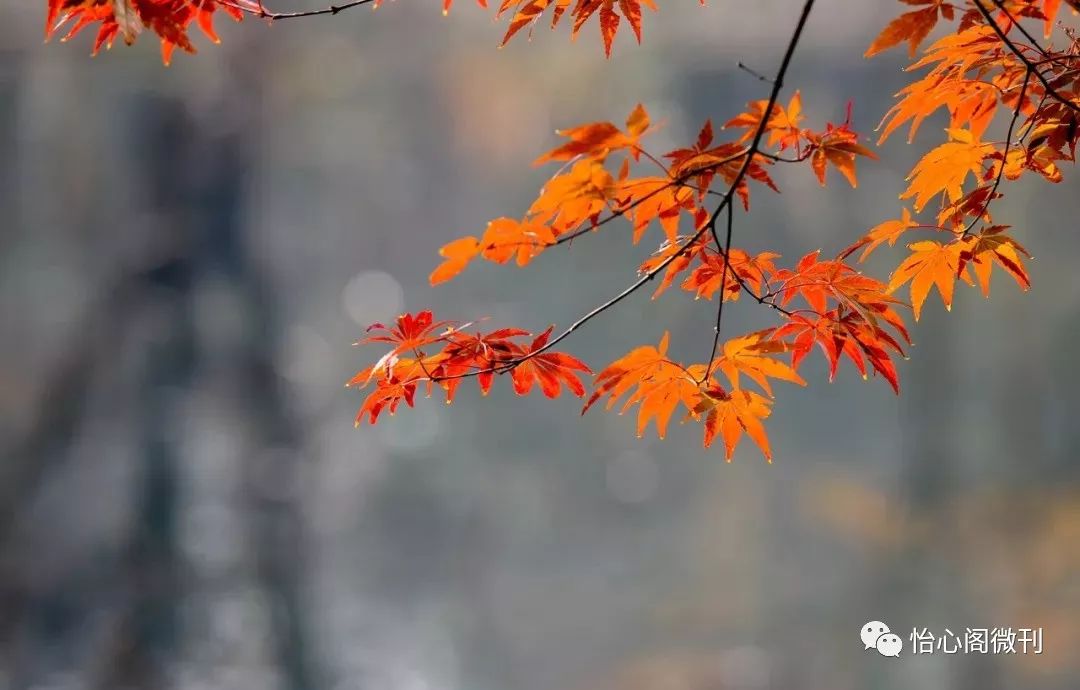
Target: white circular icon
column 871, row 631
column 889, row 644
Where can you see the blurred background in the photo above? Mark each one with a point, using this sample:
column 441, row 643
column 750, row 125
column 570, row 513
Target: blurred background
column 188, row 253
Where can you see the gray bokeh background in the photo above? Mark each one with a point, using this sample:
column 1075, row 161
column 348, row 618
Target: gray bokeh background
column 187, row 254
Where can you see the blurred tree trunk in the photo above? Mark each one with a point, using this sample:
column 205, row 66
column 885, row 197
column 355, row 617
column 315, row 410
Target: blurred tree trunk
column 272, row 467
column 933, row 592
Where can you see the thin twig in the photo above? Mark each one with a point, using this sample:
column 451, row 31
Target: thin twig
column 1016, row 22
column 1004, row 156
column 263, row 13
column 752, row 72
column 725, row 251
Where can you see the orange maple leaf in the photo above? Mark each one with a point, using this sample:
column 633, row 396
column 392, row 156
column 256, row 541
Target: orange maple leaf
column 889, row 231
column 912, row 27
column 458, row 254
column 743, row 269
column 503, row 239
column 753, row 355
column 649, row 199
column 783, row 127
column 730, row 414
column 945, row 168
column 573, row 197
column 598, row 139
column 838, row 145
column 610, row 12
column 993, row 246
column 971, row 102
column 931, row 264
column 654, row 382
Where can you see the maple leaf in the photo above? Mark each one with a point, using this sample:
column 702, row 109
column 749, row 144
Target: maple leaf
column 1040, row 159
column 931, row 264
column 526, row 13
column 396, row 377
column 570, row 199
column 649, row 199
column 730, row 414
column 752, row 355
column 410, row 333
column 971, row 102
column 550, row 370
column 912, row 27
column 993, row 246
column 530, row 10
column 838, row 145
column 458, row 254
column 743, row 269
column 386, row 396
column 678, row 256
column 783, row 128
column 655, row 383
column 479, row 354
column 842, row 332
column 682, row 160
column 503, row 239
column 818, row 282
column 725, row 160
column 598, row 139
column 506, row 238
column 975, row 204
column 889, row 231
column 945, row 168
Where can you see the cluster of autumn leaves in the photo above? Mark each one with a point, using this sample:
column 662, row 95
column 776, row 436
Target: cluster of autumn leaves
column 170, row 19
column 988, row 64
column 824, row 302
column 821, row 303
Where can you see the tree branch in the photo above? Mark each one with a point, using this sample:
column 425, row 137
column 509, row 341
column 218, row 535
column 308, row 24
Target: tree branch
column 710, row 226
column 1023, row 58
column 1004, row 155
column 259, row 10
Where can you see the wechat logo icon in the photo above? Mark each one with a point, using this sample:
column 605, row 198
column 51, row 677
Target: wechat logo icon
column 876, row 635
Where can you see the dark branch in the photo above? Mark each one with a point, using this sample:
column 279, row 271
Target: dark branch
column 1032, row 67
column 259, row 10
column 725, row 251
column 1021, row 28
column 1004, row 155
column 710, row 226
